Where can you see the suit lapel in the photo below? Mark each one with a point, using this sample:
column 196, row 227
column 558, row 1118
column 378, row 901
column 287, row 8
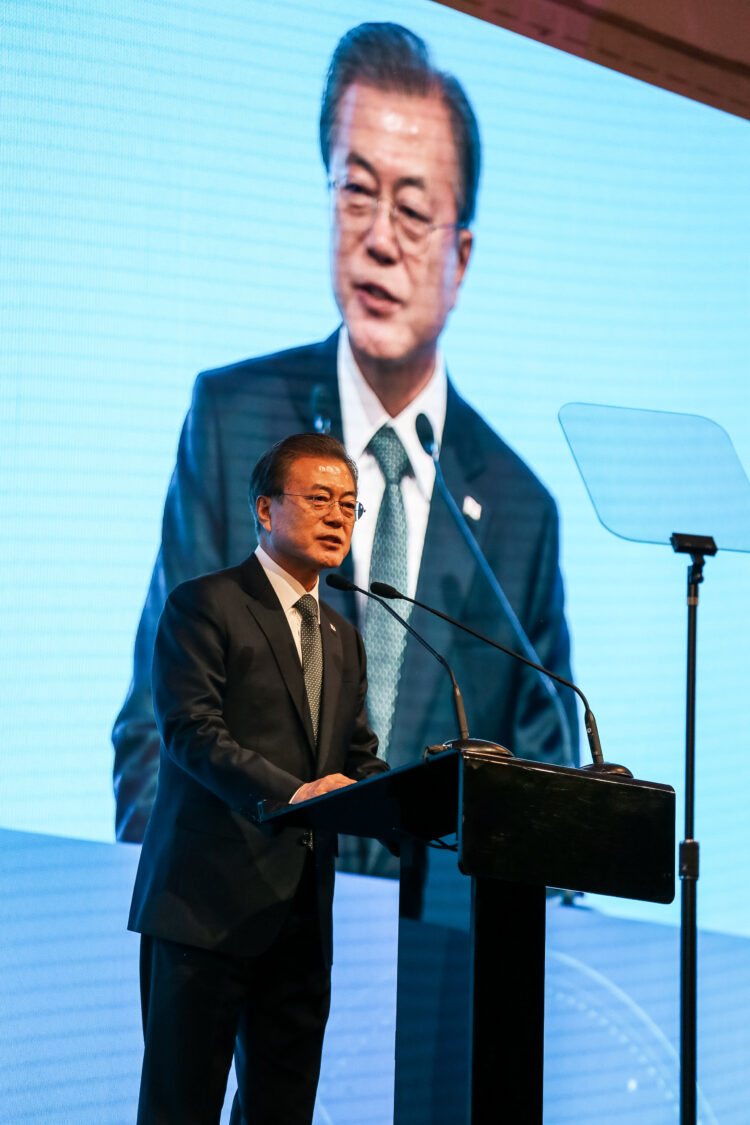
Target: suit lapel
column 445, row 576
column 332, row 672
column 265, row 607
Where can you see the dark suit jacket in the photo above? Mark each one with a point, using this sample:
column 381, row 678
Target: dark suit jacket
column 239, row 411
column 232, row 711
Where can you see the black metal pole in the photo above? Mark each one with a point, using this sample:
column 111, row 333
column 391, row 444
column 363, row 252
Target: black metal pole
column 697, row 546
column 688, row 867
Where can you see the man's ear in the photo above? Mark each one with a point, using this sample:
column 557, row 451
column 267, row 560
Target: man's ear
column 465, row 245
column 263, row 509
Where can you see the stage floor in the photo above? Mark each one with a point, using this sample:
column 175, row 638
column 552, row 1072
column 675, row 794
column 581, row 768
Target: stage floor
column 70, row 1037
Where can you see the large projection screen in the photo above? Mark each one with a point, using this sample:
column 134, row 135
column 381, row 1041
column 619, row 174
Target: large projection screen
column 164, row 210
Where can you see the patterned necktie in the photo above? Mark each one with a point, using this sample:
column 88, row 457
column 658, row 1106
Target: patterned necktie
column 312, row 655
column 385, row 638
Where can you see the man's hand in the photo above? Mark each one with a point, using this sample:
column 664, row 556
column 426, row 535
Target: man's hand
column 323, row 785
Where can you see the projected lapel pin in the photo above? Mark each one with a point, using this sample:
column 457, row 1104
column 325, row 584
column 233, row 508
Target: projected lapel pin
column 472, row 509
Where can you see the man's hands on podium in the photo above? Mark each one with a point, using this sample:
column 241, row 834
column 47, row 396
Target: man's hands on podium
column 327, row 784
column 323, row 785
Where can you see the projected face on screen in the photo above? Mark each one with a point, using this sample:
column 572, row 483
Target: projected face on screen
column 397, row 254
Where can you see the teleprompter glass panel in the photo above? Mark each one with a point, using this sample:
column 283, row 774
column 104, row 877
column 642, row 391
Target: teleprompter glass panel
column 650, row 473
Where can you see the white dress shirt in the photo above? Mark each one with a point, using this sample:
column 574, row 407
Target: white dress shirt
column 288, row 590
column 362, row 415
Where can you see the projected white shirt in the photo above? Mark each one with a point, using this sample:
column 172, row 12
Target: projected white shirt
column 362, row 415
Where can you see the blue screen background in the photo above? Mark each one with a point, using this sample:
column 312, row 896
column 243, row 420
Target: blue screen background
column 164, row 209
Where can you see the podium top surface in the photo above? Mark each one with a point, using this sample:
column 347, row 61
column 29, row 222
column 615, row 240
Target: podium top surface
column 516, row 820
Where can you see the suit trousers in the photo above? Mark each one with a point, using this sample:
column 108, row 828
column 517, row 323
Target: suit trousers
column 196, row 1002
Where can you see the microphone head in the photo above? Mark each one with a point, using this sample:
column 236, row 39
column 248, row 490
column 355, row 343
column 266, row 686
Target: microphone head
column 383, row 590
column 320, row 409
column 338, row 582
column 426, row 434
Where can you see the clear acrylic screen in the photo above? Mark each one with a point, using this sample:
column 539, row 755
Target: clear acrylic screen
column 650, row 473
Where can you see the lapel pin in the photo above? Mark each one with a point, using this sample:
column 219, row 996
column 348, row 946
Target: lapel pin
column 333, row 627
column 472, row 509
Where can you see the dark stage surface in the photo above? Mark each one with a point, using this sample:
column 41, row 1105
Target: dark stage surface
column 70, row 1040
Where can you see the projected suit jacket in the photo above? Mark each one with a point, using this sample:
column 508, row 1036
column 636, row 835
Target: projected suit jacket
column 237, row 412
column 232, row 710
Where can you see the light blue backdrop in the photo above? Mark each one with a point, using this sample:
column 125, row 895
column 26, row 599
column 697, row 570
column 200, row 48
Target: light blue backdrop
column 164, row 210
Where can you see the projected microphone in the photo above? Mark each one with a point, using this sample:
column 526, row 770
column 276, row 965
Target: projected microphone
column 320, row 409
column 338, row 582
column 383, row 590
column 426, row 436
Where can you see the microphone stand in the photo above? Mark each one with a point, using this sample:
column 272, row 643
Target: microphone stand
column 427, row 440
column 338, row 582
column 697, row 546
column 597, row 764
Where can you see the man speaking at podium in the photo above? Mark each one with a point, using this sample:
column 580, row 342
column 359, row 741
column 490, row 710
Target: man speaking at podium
column 401, row 149
column 259, row 692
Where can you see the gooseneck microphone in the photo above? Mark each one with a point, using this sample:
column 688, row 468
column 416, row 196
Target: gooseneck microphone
column 383, row 590
column 338, row 582
column 426, row 436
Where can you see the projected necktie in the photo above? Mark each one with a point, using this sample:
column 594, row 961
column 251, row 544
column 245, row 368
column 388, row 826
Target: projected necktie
column 385, row 639
column 312, row 655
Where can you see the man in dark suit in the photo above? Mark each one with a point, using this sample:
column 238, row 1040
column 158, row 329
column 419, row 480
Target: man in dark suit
column 259, row 693
column 401, row 146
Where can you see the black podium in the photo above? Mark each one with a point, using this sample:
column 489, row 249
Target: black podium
column 521, row 827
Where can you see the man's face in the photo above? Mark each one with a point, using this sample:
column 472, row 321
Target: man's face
column 302, row 540
column 394, row 300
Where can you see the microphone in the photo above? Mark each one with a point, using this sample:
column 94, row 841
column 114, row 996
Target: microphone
column 426, row 436
column 320, row 409
column 338, row 582
column 383, row 590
